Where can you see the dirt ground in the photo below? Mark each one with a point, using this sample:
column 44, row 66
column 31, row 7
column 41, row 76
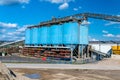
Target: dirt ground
column 79, row 74
column 60, row 74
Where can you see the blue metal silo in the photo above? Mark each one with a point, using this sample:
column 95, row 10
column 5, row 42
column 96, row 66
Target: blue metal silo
column 55, row 34
column 44, row 35
column 39, row 35
column 35, row 36
column 49, row 35
column 83, row 33
column 31, row 34
column 70, row 33
column 27, row 36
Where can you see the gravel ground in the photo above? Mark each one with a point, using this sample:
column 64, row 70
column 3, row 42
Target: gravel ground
column 72, row 74
column 107, row 69
column 112, row 63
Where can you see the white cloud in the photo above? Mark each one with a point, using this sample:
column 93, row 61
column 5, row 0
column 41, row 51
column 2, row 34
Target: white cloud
column 75, row 9
column 14, row 33
column 10, row 33
column 11, row 38
column 118, row 15
column 57, row 1
column 104, row 31
column 111, row 23
column 13, row 2
column 22, row 38
column 3, row 30
column 17, row 34
column 118, row 36
column 3, row 36
column 53, row 1
column 19, row 31
column 64, row 6
column 24, row 1
column 109, row 35
column 92, row 39
column 8, row 25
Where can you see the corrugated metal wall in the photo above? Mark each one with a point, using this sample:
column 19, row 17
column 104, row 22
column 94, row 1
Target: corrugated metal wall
column 27, row 36
column 35, row 36
column 70, row 33
column 83, row 34
column 67, row 33
column 44, row 34
column 55, row 34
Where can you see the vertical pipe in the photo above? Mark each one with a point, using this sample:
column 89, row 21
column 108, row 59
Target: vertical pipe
column 79, row 51
column 79, row 39
column 88, row 51
column 82, row 52
column 71, row 55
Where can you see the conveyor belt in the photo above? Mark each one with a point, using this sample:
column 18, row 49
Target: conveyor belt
column 98, row 52
column 78, row 17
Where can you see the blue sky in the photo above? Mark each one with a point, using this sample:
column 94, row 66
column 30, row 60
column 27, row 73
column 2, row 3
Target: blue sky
column 16, row 15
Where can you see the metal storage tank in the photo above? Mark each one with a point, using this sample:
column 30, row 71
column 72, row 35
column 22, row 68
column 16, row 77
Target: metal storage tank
column 44, row 31
column 35, row 36
column 31, row 34
column 83, row 33
column 70, row 33
column 39, row 35
column 27, row 36
column 55, row 36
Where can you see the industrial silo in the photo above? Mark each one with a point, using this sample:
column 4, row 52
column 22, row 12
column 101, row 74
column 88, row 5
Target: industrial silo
column 59, row 40
column 27, row 36
column 83, row 31
column 44, row 31
column 70, row 33
column 55, row 33
column 35, row 32
column 39, row 35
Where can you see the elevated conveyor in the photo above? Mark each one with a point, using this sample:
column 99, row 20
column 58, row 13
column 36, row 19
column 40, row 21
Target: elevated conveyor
column 98, row 52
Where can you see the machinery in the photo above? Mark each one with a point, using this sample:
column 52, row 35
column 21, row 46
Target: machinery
column 116, row 49
column 63, row 38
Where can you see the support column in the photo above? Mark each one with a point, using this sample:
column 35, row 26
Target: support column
column 79, row 51
column 88, row 47
column 82, row 52
column 71, row 54
column 79, row 46
column 83, row 38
